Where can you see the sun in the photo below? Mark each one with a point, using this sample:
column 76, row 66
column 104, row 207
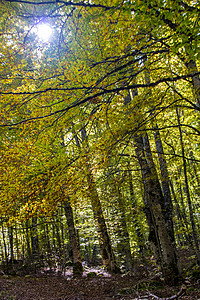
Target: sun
column 44, row 32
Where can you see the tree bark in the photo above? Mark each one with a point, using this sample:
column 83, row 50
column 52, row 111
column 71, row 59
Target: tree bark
column 10, row 234
column 192, row 67
column 34, row 240
column 163, row 246
column 194, row 230
column 168, row 206
column 107, row 254
column 5, row 251
column 57, row 233
column 182, row 221
column 138, row 230
column 73, row 239
column 106, row 250
column 28, row 240
column 122, row 231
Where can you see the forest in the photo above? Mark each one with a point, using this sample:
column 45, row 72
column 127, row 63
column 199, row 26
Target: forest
column 99, row 159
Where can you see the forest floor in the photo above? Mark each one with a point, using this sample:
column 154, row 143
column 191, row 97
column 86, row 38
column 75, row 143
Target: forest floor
column 97, row 284
column 90, row 286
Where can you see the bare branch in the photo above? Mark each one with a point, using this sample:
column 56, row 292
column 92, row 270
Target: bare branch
column 104, row 90
column 66, row 3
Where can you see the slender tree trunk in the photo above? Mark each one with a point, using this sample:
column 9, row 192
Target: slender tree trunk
column 47, row 239
column 194, row 230
column 183, row 210
column 154, row 241
column 193, row 165
column 73, row 239
column 10, row 234
column 28, row 240
column 48, row 247
column 168, row 206
column 63, row 254
column 192, row 67
column 58, row 239
column 34, row 240
column 5, row 250
column 54, row 235
column 106, row 250
column 180, row 191
column 196, row 184
column 182, row 222
column 17, row 243
column 166, row 203
column 138, row 230
column 159, row 237
column 122, row 232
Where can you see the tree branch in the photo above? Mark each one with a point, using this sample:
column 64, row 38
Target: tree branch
column 66, row 3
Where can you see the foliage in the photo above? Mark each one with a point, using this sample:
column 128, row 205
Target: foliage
column 113, row 68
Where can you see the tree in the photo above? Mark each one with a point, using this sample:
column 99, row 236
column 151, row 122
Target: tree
column 99, row 53
column 159, row 236
column 77, row 263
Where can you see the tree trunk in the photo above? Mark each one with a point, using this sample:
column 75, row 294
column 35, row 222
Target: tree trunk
column 28, row 247
column 194, row 230
column 10, row 234
column 138, row 230
column 168, row 206
column 17, row 243
column 192, row 67
column 5, row 263
column 106, row 250
column 182, row 221
column 58, row 239
column 159, row 237
column 73, row 239
column 122, row 231
column 35, row 240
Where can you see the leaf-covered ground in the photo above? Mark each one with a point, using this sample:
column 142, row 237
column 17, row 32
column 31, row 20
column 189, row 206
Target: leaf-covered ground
column 100, row 287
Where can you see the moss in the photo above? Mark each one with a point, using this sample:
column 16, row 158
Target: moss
column 91, row 274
